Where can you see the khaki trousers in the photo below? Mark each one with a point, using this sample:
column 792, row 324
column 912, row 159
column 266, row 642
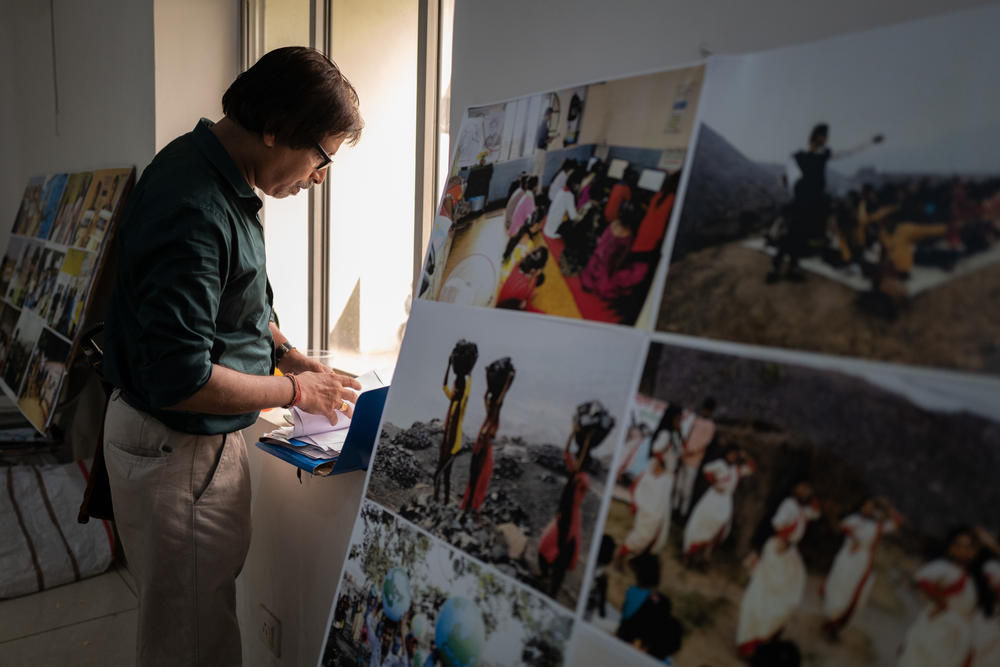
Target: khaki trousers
column 182, row 506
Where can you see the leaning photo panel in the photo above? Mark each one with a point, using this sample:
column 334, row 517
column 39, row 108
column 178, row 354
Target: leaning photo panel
column 702, row 370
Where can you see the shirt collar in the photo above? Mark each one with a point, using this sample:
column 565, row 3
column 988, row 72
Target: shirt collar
column 212, row 148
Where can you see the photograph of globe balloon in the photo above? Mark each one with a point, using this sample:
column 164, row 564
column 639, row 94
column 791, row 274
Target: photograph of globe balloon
column 408, row 599
column 502, row 437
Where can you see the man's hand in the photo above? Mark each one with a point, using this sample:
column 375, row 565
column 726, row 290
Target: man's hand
column 324, row 393
column 296, row 362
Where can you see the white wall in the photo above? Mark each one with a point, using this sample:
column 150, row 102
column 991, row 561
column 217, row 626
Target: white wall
column 104, row 60
column 513, row 48
column 196, row 57
column 10, row 155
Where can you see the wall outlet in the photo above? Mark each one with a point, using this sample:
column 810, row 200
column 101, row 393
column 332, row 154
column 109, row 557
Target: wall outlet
column 270, row 631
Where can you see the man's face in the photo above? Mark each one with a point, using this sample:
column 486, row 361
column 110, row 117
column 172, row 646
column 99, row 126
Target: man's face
column 285, row 171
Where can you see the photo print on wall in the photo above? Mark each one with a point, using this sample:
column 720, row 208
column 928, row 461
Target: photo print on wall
column 760, row 497
column 558, row 203
column 408, row 599
column 848, row 204
column 760, row 500
column 46, row 282
column 509, row 460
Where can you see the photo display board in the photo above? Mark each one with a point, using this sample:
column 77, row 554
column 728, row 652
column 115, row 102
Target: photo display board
column 749, row 410
column 55, row 251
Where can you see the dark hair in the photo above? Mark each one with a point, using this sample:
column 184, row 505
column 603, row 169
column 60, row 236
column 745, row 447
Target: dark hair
column 653, row 624
column 531, row 183
column 819, row 129
column 606, row 553
column 298, row 95
column 631, row 177
column 535, row 259
column 778, row 653
column 647, row 571
column 708, row 404
column 667, row 420
column 671, row 182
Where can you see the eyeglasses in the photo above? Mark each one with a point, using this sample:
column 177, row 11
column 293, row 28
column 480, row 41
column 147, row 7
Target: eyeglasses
column 327, row 158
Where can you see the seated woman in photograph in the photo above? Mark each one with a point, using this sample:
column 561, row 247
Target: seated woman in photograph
column 711, row 519
column 852, row 576
column 525, row 207
column 653, row 227
column 942, row 634
column 518, row 247
column 581, row 239
column 621, row 193
column 519, row 287
column 778, row 577
column 462, row 358
column 562, row 208
column 499, row 376
column 589, row 183
column 610, row 274
column 558, row 181
column 519, row 188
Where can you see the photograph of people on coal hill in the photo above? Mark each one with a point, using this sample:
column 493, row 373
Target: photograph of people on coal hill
column 764, row 508
column 844, row 197
column 498, row 438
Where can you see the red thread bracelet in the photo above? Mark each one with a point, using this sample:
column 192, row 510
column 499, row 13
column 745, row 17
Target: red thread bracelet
column 296, row 392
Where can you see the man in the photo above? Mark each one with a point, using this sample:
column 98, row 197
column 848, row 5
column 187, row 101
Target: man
column 191, row 344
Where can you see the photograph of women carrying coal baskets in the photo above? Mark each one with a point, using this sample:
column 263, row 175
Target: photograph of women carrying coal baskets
column 503, row 436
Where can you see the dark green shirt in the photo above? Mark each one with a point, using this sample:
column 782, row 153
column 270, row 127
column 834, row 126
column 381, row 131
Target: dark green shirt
column 191, row 288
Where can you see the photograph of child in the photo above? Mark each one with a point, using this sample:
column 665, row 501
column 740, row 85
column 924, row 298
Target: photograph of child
column 558, row 203
column 846, row 205
column 407, row 599
column 43, row 379
column 509, row 460
column 826, row 516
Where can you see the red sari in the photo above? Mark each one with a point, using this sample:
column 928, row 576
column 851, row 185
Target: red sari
column 548, row 547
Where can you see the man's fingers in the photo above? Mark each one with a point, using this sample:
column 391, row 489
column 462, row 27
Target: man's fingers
column 349, row 382
column 348, row 395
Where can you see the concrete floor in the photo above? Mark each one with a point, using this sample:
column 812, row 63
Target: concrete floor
column 89, row 622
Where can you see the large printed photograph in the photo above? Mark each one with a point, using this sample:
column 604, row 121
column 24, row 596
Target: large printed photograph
column 408, row 599
column 767, row 511
column 844, row 197
column 558, row 203
column 499, row 434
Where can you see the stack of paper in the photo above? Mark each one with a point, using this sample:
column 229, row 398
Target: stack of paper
column 314, row 436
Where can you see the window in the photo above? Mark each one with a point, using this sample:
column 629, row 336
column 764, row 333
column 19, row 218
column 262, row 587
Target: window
column 343, row 262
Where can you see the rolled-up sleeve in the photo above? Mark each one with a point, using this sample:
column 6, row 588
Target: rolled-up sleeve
column 178, row 279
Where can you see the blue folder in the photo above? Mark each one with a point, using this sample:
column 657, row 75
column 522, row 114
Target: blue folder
column 356, row 453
